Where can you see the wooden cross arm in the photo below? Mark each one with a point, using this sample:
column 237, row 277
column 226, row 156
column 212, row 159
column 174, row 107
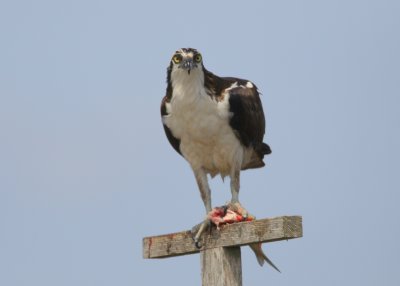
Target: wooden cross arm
column 236, row 234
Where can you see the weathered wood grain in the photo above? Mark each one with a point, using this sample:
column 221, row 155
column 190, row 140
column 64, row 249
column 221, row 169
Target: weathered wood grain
column 221, row 266
column 237, row 234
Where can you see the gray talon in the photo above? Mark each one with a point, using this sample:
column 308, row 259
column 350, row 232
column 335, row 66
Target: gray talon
column 198, row 244
column 198, row 230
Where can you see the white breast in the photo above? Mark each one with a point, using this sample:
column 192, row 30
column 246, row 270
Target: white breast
column 202, row 125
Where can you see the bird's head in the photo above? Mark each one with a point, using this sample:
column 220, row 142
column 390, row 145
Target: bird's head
column 187, row 60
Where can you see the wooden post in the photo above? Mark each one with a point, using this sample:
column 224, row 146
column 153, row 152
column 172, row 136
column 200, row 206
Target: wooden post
column 221, row 266
column 220, row 252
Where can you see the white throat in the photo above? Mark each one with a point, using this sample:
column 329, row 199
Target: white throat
column 187, row 85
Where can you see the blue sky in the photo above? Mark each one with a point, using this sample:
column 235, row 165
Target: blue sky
column 86, row 171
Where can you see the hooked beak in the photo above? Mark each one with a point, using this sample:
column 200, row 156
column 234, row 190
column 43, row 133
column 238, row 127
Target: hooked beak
column 187, row 64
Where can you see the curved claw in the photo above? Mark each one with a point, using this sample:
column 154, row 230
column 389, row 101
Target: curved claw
column 199, row 230
column 198, row 244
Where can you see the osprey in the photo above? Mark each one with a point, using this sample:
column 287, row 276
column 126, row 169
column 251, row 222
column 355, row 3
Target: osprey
column 216, row 123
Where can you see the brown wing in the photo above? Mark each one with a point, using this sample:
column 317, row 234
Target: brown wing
column 175, row 143
column 248, row 119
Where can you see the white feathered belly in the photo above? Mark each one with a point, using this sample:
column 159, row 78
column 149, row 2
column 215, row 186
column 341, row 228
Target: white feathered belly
column 216, row 149
column 207, row 140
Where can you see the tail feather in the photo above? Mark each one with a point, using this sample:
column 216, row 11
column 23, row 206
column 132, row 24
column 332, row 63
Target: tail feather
column 262, row 149
column 261, row 257
column 266, row 149
column 257, row 156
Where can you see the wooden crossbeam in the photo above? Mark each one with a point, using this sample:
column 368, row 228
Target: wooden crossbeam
column 232, row 235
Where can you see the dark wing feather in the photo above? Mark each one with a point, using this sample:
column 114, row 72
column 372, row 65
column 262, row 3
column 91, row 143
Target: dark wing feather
column 175, row 143
column 248, row 119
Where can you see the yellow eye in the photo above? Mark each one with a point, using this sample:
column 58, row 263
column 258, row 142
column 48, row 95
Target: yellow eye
column 177, row 58
column 197, row 58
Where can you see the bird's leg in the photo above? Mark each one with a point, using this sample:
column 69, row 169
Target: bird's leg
column 235, row 186
column 205, row 192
